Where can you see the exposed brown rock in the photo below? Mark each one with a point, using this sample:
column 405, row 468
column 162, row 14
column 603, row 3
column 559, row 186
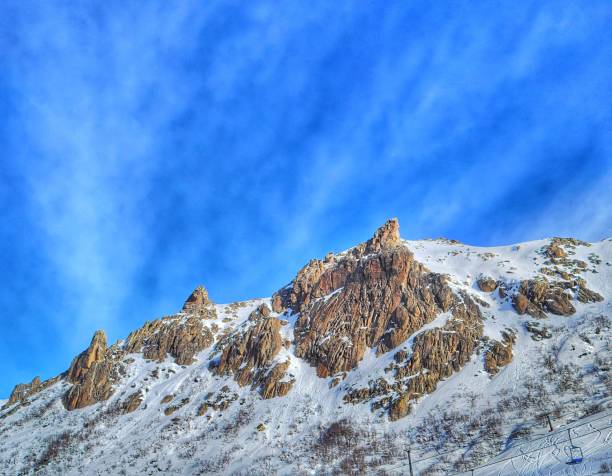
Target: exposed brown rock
column 376, row 296
column 172, row 408
column 180, row 337
column 486, row 284
column 23, row 390
column 400, row 407
column 521, row 303
column 199, row 304
column 538, row 331
column 387, row 236
column 436, row 354
column 220, row 402
column 583, row 294
column 132, row 402
column 499, row 354
column 166, row 399
column 309, row 285
column 248, row 355
column 555, row 251
column 538, row 296
column 380, row 301
column 273, row 384
column 93, row 373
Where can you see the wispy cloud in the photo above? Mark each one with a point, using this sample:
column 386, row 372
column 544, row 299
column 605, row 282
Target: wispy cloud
column 153, row 146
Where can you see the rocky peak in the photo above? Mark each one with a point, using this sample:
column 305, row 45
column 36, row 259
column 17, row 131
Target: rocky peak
column 92, row 374
column 94, row 353
column 387, row 236
column 198, row 302
column 315, row 280
column 23, row 390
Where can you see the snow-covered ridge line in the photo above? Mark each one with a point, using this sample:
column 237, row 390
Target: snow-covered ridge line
column 201, row 393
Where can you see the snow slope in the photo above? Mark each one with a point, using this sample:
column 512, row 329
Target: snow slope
column 470, row 418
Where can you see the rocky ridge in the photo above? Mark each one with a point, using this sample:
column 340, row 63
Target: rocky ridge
column 386, row 305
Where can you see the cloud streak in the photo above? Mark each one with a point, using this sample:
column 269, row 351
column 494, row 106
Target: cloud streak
column 150, row 147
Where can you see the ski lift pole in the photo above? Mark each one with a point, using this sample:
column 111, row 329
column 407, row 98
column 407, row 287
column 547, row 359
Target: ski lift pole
column 549, row 422
column 410, row 462
column 570, row 437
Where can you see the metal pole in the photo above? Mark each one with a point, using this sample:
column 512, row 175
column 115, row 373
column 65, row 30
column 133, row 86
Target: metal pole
column 410, row 462
column 570, row 437
column 549, row 422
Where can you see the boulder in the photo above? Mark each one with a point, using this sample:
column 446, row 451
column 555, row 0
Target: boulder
column 499, row 354
column 400, row 407
column 486, row 284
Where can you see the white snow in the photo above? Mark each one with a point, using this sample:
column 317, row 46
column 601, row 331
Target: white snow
column 225, row 442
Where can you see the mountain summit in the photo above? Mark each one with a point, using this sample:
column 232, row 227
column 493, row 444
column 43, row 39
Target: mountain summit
column 432, row 343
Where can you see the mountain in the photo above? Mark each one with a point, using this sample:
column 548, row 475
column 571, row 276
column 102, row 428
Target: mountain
column 454, row 352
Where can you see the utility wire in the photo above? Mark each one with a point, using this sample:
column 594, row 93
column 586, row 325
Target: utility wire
column 532, row 451
column 548, row 435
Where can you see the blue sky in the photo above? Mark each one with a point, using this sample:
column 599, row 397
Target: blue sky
column 147, row 147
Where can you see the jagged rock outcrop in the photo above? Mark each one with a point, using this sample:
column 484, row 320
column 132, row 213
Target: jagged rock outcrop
column 537, row 296
column 181, row 337
column 313, row 282
column 538, row 331
column 374, row 298
column 218, row 402
column 274, row 384
column 435, row 354
column 487, row 284
column 248, row 355
column 24, row 390
column 92, row 374
column 169, row 410
column 387, row 236
column 132, row 402
column 400, row 407
column 499, row 354
column 585, row 295
column 199, row 304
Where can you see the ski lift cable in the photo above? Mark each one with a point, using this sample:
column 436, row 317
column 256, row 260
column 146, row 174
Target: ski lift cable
column 557, row 432
column 426, row 450
column 532, row 451
column 548, row 435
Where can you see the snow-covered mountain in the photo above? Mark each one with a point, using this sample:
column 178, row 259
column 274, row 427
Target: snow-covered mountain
column 463, row 356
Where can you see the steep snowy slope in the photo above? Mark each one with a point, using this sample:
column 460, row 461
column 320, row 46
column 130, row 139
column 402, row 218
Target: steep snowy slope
column 455, row 351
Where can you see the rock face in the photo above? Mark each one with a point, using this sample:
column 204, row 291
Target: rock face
column 486, row 284
column 537, row 296
column 584, row 295
column 387, row 236
column 92, row 374
column 499, row 354
column 132, row 402
column 538, row 331
column 435, row 355
column 374, row 297
column 249, row 355
column 181, row 337
column 23, row 390
column 399, row 408
column 199, row 304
